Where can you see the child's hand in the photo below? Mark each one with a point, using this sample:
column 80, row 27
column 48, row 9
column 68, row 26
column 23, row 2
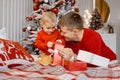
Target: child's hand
column 59, row 41
column 51, row 51
column 50, row 44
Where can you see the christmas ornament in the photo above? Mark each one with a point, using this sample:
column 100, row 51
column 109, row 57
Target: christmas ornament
column 33, row 1
column 46, row 1
column 36, row 7
column 34, row 17
column 73, row 3
column 37, row 1
column 55, row 10
column 29, row 18
column 24, row 29
column 61, row 2
column 76, row 9
column 28, row 28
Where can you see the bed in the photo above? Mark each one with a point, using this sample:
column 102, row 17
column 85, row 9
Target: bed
column 17, row 64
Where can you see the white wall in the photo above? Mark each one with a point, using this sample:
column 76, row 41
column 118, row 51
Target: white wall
column 84, row 5
column 1, row 13
column 115, row 20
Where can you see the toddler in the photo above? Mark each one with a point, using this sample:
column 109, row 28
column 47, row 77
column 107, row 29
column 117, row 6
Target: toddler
column 49, row 34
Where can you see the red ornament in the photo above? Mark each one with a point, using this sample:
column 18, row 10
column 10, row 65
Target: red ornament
column 24, row 29
column 33, row 1
column 38, row 4
column 66, row 0
column 61, row 2
column 55, row 10
column 76, row 9
column 34, row 16
column 73, row 3
column 37, row 1
column 36, row 7
column 29, row 18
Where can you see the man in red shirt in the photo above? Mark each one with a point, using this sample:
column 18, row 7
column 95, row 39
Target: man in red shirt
column 79, row 38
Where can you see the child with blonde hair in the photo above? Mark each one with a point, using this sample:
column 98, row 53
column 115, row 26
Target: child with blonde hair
column 49, row 34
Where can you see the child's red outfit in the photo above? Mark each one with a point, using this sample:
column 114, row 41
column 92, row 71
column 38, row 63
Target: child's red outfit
column 92, row 42
column 43, row 38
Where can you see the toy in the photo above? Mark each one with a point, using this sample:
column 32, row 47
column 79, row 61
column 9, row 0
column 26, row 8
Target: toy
column 54, row 58
column 44, row 59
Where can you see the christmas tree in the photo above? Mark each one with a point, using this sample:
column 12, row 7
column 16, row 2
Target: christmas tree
column 59, row 7
column 96, row 20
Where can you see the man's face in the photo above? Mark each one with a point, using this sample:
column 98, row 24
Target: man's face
column 67, row 34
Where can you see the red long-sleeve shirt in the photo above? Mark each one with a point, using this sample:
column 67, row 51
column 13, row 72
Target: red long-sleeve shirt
column 92, row 42
column 43, row 38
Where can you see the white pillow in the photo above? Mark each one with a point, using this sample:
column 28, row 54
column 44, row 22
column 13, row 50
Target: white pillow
column 3, row 33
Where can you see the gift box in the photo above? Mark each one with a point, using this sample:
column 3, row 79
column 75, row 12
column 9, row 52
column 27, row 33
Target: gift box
column 57, row 59
column 93, row 58
column 74, row 66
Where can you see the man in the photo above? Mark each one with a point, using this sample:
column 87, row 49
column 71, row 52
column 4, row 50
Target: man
column 79, row 38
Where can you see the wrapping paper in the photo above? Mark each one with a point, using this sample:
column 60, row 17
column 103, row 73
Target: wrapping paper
column 74, row 66
column 57, row 59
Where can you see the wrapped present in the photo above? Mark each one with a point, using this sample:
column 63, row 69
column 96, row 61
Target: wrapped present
column 93, row 58
column 74, row 66
column 57, row 59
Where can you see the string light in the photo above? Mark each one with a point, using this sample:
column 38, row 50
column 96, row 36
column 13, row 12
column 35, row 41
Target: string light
column 87, row 16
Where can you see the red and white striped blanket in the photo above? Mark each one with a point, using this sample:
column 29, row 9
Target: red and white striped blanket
column 34, row 71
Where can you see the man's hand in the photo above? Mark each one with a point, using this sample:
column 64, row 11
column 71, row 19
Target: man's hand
column 67, row 53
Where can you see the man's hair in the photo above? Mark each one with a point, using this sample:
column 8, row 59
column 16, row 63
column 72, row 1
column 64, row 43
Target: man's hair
column 48, row 17
column 71, row 20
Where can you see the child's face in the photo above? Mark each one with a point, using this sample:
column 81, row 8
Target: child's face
column 48, row 28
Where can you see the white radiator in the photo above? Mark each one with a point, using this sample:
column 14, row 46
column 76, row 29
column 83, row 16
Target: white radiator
column 14, row 13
